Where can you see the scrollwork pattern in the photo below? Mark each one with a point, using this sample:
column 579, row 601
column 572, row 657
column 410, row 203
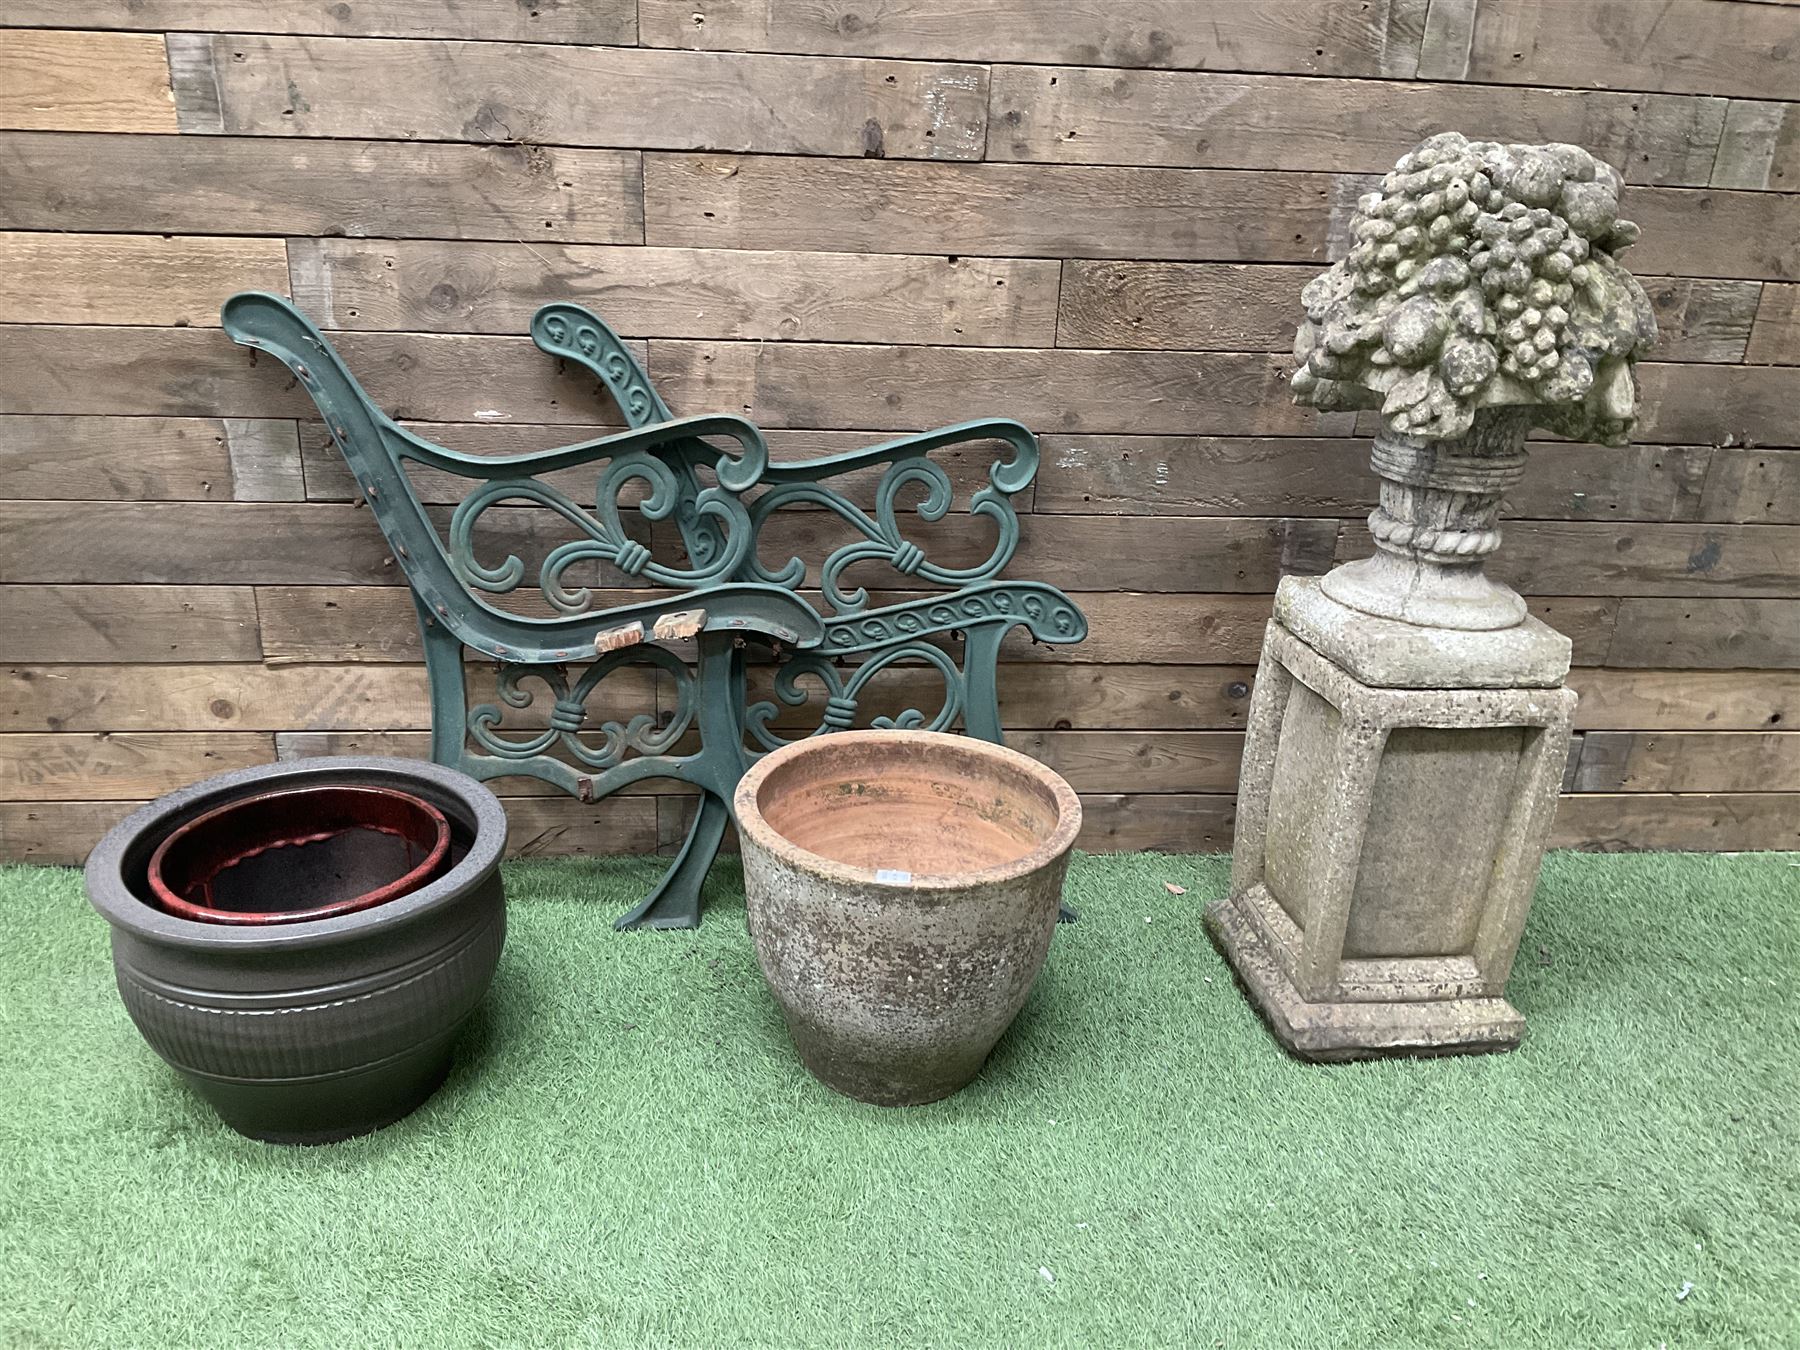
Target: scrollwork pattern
column 568, row 717
column 883, row 539
column 604, row 530
column 842, row 695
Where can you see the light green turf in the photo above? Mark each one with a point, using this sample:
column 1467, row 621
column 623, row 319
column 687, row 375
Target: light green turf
column 628, row 1152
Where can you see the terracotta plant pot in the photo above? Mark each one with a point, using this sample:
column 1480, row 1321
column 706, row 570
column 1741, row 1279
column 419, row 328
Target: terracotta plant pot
column 313, row 1028
column 903, row 890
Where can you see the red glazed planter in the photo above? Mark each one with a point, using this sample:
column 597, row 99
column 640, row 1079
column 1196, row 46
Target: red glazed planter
column 340, row 847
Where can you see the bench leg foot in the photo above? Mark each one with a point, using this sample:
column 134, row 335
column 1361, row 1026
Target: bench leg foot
column 675, row 903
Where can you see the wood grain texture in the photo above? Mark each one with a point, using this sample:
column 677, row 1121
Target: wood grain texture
column 129, row 623
column 1691, row 46
column 178, row 372
column 1707, row 822
column 244, row 185
column 54, row 767
column 1014, row 210
column 578, row 95
column 1753, row 485
column 1707, row 633
column 591, row 21
column 1689, row 761
column 1684, row 700
column 673, row 292
column 218, row 697
column 71, row 81
column 1376, row 38
column 131, row 279
column 905, row 388
column 1204, row 119
column 149, row 459
column 1708, row 233
column 1254, row 307
column 1759, row 146
column 1775, row 338
column 1242, row 475
column 1636, row 559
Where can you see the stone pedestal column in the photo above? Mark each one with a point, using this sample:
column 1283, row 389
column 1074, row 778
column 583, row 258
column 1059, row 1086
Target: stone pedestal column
column 1409, row 729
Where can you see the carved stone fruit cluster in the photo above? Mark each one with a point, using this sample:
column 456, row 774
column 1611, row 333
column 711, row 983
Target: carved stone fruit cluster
column 1480, row 275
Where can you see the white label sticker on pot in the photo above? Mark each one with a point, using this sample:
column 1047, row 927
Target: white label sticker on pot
column 893, row 877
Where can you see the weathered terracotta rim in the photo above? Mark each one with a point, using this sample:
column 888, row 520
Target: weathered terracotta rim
column 752, row 823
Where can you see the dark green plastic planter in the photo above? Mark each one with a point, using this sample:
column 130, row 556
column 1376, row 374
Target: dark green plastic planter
column 306, row 1032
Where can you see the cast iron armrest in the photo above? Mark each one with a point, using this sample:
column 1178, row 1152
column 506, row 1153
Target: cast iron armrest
column 732, row 607
column 1009, row 476
column 735, row 474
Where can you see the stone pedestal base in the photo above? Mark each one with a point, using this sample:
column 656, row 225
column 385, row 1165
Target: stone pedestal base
column 1389, row 838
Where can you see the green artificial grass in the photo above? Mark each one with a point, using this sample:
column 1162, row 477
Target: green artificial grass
column 629, row 1153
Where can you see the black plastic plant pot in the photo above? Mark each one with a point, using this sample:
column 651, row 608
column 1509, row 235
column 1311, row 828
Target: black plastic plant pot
column 309, row 1029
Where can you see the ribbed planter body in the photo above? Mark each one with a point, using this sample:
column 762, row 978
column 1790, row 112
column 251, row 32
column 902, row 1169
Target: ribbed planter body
column 318, row 1030
column 903, row 889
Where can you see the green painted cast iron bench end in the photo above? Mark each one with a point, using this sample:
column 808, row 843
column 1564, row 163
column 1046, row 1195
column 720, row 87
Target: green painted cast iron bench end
column 676, row 508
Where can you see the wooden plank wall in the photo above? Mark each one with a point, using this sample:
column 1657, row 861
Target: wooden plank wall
column 852, row 219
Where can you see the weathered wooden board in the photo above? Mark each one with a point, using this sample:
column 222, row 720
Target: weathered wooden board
column 1087, row 552
column 52, row 81
column 1207, row 119
column 1591, row 558
column 149, row 459
column 1775, row 338
column 1694, row 46
column 242, row 84
column 1714, row 633
column 217, row 544
column 1377, row 37
column 1128, row 822
column 38, row 767
column 671, row 292
column 131, row 279
column 385, row 189
column 180, row 372
column 1684, row 700
column 1719, row 405
column 1633, row 822
column 376, row 623
column 209, row 698
column 1753, row 486
column 1014, row 210
column 906, row 388
column 1689, row 761
column 1689, row 232
column 545, row 827
column 1255, row 307
column 129, row 623
column 56, row 834
column 590, row 21
column 1151, row 761
column 1240, row 475
column 1759, row 147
